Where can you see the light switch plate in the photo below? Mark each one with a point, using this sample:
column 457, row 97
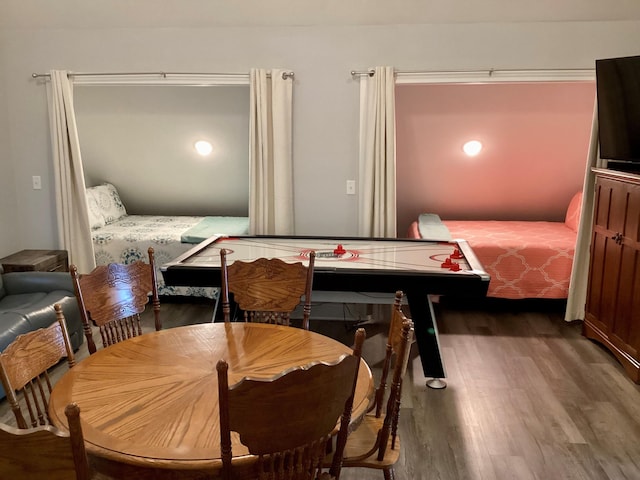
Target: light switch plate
column 351, row 187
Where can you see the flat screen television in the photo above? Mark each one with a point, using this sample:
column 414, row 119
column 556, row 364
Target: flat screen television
column 618, row 87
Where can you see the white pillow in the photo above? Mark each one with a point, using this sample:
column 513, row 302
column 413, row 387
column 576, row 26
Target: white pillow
column 109, row 203
column 96, row 220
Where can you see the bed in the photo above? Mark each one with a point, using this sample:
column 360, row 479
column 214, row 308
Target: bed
column 526, row 259
column 123, row 238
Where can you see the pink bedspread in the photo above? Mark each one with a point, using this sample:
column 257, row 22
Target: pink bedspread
column 524, row 259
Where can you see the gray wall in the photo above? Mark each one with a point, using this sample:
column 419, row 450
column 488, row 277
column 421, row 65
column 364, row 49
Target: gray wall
column 325, row 96
column 8, row 212
column 141, row 139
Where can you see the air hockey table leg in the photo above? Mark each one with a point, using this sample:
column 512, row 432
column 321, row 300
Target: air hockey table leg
column 426, row 334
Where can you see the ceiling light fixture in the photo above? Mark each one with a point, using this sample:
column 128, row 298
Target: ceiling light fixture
column 472, row 148
column 203, row 147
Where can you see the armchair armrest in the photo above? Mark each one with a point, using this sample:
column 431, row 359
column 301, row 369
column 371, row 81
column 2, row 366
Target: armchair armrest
column 31, row 282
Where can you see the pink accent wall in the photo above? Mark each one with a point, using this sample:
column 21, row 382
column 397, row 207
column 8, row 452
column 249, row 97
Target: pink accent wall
column 536, row 140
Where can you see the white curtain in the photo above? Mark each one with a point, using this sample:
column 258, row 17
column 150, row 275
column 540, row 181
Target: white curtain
column 74, row 233
column 271, row 163
column 577, row 297
column 377, row 155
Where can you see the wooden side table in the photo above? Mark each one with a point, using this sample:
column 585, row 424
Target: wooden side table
column 36, row 260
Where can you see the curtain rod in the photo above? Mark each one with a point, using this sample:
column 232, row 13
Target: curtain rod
column 371, row 72
column 489, row 72
column 285, row 75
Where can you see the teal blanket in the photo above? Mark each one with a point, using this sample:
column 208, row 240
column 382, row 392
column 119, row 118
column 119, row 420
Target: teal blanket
column 432, row 228
column 210, row 226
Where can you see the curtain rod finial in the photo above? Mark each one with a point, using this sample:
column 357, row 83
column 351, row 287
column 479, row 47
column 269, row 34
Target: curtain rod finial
column 369, row 73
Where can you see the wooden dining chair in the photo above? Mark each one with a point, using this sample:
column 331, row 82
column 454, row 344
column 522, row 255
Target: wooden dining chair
column 45, row 452
column 25, row 365
column 267, row 289
column 375, row 443
column 113, row 296
column 288, row 421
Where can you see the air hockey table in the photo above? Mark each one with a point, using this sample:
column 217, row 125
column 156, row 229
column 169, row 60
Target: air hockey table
column 418, row 267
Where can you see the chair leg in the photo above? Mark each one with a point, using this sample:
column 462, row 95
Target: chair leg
column 389, row 474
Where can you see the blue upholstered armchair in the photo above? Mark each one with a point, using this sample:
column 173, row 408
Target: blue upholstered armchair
column 26, row 304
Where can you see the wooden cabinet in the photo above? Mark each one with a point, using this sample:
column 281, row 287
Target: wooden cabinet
column 36, row 260
column 613, row 295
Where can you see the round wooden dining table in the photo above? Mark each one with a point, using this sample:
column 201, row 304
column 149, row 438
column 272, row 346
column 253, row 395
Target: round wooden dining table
column 149, row 404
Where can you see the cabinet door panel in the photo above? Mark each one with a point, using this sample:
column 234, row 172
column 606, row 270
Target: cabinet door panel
column 634, row 329
column 596, row 275
column 610, row 282
column 618, row 207
column 604, row 190
column 632, row 221
column 622, row 326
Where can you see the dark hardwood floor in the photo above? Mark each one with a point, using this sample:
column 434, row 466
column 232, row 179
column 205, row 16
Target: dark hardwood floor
column 527, row 396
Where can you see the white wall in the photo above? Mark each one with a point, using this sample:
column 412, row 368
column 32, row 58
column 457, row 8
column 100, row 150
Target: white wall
column 325, row 96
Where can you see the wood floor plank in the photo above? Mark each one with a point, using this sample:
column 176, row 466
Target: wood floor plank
column 527, row 397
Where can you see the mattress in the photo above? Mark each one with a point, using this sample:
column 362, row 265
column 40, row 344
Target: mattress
column 127, row 240
column 525, row 259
